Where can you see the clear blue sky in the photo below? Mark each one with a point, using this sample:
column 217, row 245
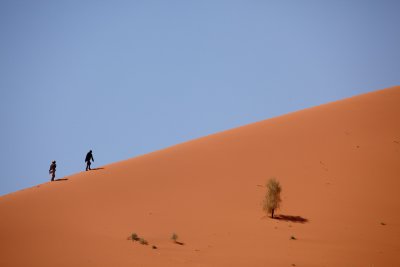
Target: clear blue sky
column 125, row 78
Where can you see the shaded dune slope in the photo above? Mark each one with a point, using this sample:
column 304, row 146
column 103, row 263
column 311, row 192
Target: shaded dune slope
column 338, row 165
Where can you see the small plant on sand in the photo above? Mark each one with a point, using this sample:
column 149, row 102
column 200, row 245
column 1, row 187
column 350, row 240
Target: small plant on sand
column 273, row 197
column 174, row 238
column 134, row 237
column 143, row 241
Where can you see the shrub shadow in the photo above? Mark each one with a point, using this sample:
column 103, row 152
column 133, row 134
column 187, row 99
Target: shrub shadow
column 290, row 218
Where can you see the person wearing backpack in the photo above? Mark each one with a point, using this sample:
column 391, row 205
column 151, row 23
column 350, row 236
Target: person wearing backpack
column 88, row 159
column 52, row 170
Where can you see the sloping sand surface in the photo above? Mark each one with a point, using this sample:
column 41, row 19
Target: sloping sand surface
column 338, row 165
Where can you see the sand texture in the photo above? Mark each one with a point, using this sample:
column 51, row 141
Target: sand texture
column 338, row 165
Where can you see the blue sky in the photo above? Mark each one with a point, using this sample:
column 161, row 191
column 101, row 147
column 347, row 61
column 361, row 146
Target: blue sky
column 125, row 78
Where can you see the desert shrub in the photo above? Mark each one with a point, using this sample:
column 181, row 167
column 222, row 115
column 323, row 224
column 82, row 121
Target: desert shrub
column 143, row 241
column 272, row 197
column 174, row 237
column 134, row 237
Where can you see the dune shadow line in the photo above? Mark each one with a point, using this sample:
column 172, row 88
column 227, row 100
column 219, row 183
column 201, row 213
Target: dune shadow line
column 290, row 218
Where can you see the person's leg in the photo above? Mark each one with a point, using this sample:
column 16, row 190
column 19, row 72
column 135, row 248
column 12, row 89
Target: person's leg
column 89, row 163
column 53, row 175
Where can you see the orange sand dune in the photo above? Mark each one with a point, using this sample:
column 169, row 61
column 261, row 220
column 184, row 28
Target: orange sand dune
column 338, row 164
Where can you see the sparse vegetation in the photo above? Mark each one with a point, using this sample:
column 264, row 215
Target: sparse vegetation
column 293, row 238
column 273, row 197
column 134, row 237
column 143, row 241
column 174, row 237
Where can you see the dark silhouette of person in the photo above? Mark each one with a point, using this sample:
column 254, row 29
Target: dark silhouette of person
column 52, row 170
column 89, row 157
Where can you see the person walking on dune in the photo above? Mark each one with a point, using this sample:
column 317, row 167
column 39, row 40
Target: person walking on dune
column 52, row 170
column 89, row 157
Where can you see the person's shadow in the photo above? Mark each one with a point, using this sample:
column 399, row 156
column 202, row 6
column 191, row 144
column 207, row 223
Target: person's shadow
column 61, row 180
column 290, row 218
column 96, row 169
